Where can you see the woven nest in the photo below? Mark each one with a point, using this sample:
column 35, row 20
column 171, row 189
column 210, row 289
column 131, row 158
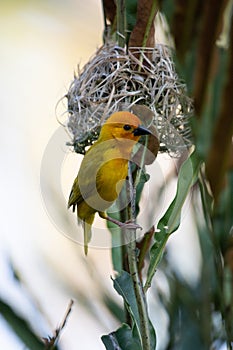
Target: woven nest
column 114, row 80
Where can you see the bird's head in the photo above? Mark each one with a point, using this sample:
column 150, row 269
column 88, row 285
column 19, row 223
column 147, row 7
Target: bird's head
column 123, row 125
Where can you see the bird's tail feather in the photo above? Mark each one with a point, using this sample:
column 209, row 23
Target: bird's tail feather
column 87, row 233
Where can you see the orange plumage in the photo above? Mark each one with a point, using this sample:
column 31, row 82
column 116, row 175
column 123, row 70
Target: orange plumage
column 104, row 169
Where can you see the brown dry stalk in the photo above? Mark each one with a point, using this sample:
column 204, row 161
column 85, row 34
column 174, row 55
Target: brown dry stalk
column 144, row 246
column 50, row 342
column 109, row 7
column 220, row 152
column 143, row 14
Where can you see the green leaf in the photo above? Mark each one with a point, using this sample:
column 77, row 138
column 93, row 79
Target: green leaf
column 171, row 220
column 21, row 328
column 122, row 339
column 187, row 177
column 124, row 287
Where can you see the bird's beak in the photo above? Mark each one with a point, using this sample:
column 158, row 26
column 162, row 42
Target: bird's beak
column 141, row 130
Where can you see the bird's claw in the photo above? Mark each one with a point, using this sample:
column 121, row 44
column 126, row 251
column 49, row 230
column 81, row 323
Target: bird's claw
column 130, row 225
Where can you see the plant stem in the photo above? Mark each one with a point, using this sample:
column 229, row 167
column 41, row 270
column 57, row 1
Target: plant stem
column 154, row 9
column 121, row 22
column 133, row 268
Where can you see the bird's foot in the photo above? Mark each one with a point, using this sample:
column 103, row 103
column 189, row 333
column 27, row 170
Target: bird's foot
column 128, row 224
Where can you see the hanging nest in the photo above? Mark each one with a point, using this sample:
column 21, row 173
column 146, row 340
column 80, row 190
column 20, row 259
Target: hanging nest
column 116, row 80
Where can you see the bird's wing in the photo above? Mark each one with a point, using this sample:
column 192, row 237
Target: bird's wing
column 87, row 182
column 75, row 197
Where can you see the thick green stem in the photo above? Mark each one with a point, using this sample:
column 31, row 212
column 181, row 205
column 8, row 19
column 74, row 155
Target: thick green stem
column 121, row 22
column 133, row 268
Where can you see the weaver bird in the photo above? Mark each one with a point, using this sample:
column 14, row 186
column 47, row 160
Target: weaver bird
column 104, row 169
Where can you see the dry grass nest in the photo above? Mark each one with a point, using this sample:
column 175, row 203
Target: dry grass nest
column 116, row 80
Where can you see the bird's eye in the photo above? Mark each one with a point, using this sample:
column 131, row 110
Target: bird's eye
column 127, row 127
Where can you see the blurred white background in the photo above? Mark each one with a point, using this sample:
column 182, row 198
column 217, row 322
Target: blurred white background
column 41, row 44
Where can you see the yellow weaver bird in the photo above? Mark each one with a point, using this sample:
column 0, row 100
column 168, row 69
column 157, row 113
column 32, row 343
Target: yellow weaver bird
column 104, row 169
